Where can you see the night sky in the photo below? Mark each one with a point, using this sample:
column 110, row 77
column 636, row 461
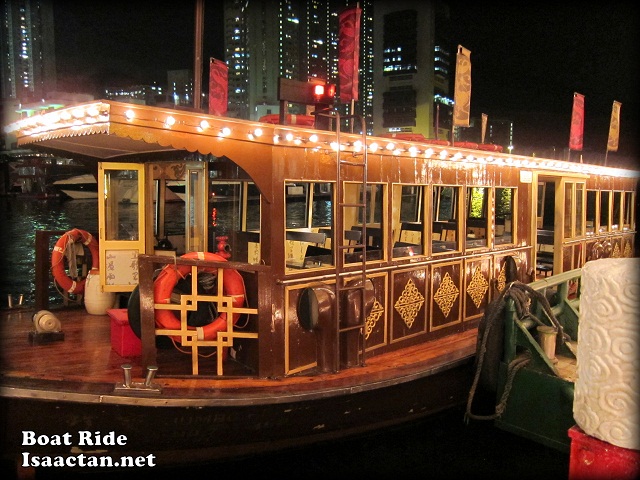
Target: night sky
column 527, row 59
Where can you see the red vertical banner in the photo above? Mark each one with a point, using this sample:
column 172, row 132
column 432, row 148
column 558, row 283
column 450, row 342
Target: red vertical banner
column 349, row 53
column 462, row 92
column 614, row 128
column 577, row 123
column 218, row 86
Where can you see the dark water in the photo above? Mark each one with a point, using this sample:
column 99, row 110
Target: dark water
column 440, row 447
column 20, row 218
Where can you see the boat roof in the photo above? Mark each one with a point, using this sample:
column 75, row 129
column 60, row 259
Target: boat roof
column 107, row 130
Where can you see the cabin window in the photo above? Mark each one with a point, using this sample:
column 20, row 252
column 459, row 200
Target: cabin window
column 546, row 205
column 568, row 210
column 477, row 198
column 627, row 211
column 237, row 206
column 407, row 220
column 354, row 216
column 592, row 197
column 579, row 217
column 309, row 220
column 121, row 203
column 617, row 211
column 296, row 205
column 444, row 233
column 604, row 211
column 573, row 211
column 322, row 205
column 251, row 220
column 505, row 200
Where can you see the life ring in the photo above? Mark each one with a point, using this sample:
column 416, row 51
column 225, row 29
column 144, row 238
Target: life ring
column 58, row 255
column 170, row 275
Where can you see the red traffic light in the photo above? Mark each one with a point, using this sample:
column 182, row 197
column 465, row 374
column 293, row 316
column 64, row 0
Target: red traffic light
column 324, row 93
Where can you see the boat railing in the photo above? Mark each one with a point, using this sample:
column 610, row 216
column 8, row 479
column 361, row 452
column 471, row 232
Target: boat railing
column 554, row 307
column 253, row 276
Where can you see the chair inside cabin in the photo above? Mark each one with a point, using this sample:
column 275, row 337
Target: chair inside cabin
column 410, row 239
column 544, row 252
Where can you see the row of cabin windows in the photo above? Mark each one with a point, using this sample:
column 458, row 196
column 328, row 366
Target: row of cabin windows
column 609, row 211
column 487, row 215
column 586, row 212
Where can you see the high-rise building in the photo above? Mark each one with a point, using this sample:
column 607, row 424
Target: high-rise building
column 293, row 39
column 27, row 49
column 411, row 68
column 405, row 58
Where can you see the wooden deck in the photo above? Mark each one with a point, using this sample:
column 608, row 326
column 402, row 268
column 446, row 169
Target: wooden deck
column 84, row 364
column 75, row 385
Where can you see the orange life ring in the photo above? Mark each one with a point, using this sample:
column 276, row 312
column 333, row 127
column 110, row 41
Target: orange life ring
column 170, row 275
column 58, row 254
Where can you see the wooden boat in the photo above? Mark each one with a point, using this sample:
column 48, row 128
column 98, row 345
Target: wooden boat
column 361, row 291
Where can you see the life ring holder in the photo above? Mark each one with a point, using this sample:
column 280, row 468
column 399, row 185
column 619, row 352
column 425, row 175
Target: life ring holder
column 76, row 235
column 233, row 286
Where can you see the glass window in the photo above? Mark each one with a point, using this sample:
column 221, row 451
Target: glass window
column 592, row 197
column 568, row 210
column 444, row 228
column 505, row 198
column 309, row 220
column 579, row 209
column 407, row 220
column 617, row 211
column 252, row 214
column 296, row 205
column 122, row 204
column 628, row 211
column 371, row 216
column 604, row 211
column 477, row 220
column 322, row 205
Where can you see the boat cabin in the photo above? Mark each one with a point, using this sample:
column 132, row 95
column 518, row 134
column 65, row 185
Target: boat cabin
column 347, row 246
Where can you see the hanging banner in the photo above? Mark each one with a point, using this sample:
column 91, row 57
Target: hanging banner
column 349, row 53
column 614, row 128
column 218, row 86
column 462, row 92
column 484, row 126
column 577, row 123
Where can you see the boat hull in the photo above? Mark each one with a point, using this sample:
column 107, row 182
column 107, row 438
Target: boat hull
column 201, row 430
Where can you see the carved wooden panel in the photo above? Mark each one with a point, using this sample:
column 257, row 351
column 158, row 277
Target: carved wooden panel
column 476, row 288
column 408, row 304
column 447, row 295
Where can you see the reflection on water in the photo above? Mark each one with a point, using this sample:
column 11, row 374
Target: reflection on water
column 20, row 218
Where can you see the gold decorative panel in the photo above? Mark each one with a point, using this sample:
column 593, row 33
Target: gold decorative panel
column 409, row 303
column 376, row 313
column 616, row 250
column 502, row 277
column 446, row 294
column 478, row 286
column 627, row 249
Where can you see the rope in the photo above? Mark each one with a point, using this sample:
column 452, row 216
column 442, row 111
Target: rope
column 522, row 296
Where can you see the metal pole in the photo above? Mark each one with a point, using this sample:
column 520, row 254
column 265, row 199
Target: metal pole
column 197, row 55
